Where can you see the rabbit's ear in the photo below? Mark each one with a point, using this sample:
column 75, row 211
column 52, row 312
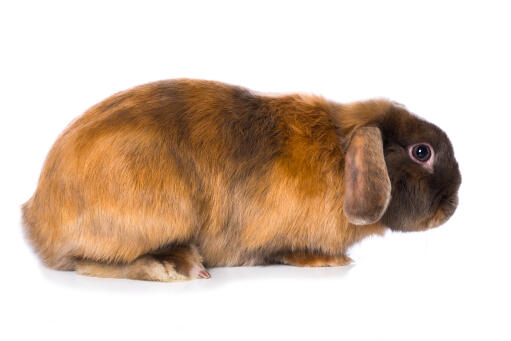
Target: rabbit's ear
column 367, row 184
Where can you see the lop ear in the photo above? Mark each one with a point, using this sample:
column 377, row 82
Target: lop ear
column 367, row 184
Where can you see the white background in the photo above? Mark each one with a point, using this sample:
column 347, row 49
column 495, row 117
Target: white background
column 446, row 61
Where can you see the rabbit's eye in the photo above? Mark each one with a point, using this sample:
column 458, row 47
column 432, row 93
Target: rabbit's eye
column 421, row 152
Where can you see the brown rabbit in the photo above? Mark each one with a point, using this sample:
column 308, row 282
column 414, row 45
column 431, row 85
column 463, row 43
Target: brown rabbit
column 160, row 181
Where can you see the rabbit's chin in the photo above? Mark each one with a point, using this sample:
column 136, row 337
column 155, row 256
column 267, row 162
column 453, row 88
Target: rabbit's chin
column 444, row 211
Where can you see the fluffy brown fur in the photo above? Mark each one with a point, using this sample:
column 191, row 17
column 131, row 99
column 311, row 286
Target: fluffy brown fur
column 158, row 180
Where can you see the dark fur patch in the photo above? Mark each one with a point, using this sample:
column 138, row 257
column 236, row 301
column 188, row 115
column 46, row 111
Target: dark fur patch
column 417, row 194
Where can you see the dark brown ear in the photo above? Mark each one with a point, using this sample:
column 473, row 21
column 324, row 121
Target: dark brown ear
column 367, row 184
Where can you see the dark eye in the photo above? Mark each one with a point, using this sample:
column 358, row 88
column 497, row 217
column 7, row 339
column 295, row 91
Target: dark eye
column 421, row 152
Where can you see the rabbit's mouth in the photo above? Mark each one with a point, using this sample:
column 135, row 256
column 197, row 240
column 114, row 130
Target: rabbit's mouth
column 444, row 211
column 435, row 217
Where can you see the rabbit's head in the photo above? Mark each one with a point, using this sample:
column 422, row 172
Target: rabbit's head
column 400, row 170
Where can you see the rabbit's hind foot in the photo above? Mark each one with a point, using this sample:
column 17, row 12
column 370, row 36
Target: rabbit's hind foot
column 170, row 264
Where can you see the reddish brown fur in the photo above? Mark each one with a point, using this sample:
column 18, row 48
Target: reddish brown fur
column 187, row 162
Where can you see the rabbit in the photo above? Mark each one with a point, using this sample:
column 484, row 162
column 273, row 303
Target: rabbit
column 168, row 179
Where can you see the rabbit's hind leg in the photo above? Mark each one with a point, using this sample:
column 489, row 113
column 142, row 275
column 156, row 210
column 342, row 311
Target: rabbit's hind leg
column 176, row 263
